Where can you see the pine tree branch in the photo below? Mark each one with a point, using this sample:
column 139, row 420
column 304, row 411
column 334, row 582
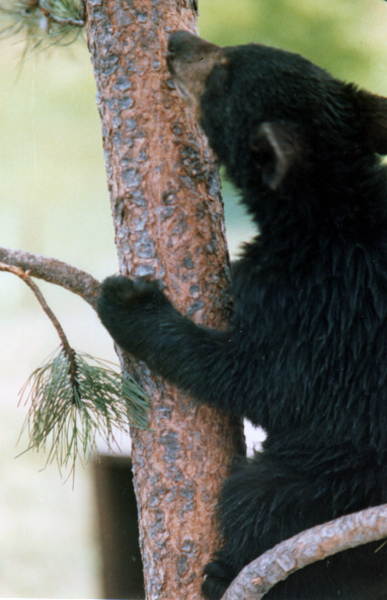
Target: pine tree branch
column 309, row 546
column 54, row 271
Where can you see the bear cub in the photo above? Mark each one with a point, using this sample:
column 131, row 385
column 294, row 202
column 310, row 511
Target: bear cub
column 305, row 354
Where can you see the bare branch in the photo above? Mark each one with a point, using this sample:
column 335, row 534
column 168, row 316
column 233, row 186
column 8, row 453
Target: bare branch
column 54, row 271
column 309, row 546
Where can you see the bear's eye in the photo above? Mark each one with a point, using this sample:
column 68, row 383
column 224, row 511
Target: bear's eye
column 219, row 78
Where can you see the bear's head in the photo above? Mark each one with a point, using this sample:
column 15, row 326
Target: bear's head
column 274, row 118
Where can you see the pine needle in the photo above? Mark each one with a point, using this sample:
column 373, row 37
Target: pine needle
column 68, row 409
column 42, row 23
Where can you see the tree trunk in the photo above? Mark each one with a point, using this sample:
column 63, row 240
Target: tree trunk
column 168, row 219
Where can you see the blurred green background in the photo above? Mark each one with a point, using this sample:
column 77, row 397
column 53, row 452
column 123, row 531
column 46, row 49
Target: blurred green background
column 54, row 201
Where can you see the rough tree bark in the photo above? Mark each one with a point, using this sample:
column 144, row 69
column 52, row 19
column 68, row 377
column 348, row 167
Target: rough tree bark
column 168, row 222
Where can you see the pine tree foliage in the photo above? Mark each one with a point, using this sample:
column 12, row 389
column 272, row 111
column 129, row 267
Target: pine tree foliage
column 75, row 396
column 42, row 23
column 72, row 399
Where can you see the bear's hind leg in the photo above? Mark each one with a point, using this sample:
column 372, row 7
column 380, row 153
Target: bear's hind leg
column 260, row 505
column 218, row 576
column 267, row 501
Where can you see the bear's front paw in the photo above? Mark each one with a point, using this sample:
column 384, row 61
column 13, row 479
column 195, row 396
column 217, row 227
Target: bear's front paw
column 122, row 293
column 131, row 311
column 116, row 290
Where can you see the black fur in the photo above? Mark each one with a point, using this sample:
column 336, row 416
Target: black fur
column 305, row 355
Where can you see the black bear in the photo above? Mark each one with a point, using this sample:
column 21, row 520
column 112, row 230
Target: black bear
column 305, row 354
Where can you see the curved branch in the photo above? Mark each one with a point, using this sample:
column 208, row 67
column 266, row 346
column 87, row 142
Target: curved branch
column 307, row 547
column 54, row 271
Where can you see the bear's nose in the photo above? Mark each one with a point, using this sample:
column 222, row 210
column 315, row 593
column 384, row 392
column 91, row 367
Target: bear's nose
column 181, row 42
column 188, row 47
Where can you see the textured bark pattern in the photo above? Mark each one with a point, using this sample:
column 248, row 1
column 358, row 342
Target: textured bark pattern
column 169, row 225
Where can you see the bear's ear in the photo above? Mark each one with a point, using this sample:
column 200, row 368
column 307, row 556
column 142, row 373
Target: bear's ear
column 276, row 147
column 374, row 113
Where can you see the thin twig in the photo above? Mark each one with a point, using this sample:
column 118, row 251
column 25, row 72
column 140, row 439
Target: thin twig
column 70, row 353
column 25, row 276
